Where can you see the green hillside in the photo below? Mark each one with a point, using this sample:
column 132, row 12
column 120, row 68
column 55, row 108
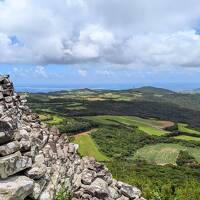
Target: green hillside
column 163, row 154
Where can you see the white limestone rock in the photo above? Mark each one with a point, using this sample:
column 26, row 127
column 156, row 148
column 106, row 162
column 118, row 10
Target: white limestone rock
column 88, row 176
column 9, row 148
column 129, row 191
column 98, row 188
column 13, row 163
column 37, row 171
column 16, row 188
column 4, row 138
column 38, row 187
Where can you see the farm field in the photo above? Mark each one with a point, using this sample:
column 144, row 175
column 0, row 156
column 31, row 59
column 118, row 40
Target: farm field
column 149, row 126
column 162, row 154
column 51, row 119
column 187, row 138
column 87, row 147
column 184, row 128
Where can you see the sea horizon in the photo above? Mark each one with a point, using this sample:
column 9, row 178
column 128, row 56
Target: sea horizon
column 53, row 88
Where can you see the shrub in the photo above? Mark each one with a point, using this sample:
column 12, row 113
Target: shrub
column 63, row 194
column 184, row 158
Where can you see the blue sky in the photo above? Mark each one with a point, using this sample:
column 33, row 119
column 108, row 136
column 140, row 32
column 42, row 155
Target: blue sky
column 94, row 75
column 108, row 42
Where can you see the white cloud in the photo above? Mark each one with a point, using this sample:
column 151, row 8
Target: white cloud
column 37, row 72
column 180, row 48
column 104, row 72
column 82, row 72
column 139, row 32
column 40, row 70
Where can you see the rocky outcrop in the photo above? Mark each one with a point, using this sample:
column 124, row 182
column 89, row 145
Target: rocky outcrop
column 36, row 161
column 17, row 187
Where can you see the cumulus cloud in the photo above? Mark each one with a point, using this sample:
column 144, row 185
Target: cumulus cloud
column 104, row 72
column 82, row 72
column 40, row 70
column 128, row 32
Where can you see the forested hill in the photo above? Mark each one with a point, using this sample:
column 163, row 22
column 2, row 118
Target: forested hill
column 143, row 102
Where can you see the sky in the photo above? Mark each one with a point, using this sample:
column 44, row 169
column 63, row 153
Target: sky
column 100, row 42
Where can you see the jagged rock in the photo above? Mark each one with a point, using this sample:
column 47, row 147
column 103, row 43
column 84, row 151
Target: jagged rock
column 54, row 130
column 88, row 176
column 105, row 175
column 5, row 125
column 8, row 99
column 4, row 138
column 37, row 171
column 113, row 193
column 13, row 163
column 1, row 95
column 16, row 188
column 124, row 198
column 71, row 148
column 9, row 148
column 38, row 187
column 39, row 158
column 21, row 134
column 1, row 109
column 76, row 182
column 128, row 190
column 8, row 123
column 25, row 144
column 99, row 189
column 50, row 190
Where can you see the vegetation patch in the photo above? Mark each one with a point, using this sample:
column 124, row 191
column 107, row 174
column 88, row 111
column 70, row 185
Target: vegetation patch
column 184, row 128
column 158, row 182
column 162, row 154
column 63, row 194
column 149, row 126
column 87, row 147
column 120, row 142
column 74, row 126
column 187, row 138
column 152, row 131
column 185, row 159
column 51, row 119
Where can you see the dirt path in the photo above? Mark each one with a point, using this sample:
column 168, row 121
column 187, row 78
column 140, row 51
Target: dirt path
column 166, row 124
column 86, row 132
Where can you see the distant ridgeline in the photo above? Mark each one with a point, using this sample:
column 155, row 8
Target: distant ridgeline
column 36, row 161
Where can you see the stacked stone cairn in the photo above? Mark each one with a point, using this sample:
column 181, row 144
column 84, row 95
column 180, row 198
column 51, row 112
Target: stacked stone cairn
column 36, row 160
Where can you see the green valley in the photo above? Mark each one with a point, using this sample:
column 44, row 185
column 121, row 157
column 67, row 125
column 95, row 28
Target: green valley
column 141, row 135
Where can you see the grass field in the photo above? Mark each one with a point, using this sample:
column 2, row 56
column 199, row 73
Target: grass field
column 149, row 126
column 51, row 119
column 44, row 117
column 162, row 154
column 187, row 138
column 103, row 119
column 87, row 147
column 184, row 128
column 152, row 131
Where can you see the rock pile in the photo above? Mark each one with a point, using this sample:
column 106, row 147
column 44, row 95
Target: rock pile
column 36, row 161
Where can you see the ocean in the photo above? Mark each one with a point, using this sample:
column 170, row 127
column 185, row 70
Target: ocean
column 50, row 88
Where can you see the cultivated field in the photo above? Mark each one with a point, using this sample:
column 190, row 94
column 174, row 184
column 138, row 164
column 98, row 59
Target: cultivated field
column 87, row 147
column 187, row 138
column 149, row 126
column 184, row 128
column 162, row 154
column 51, row 119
